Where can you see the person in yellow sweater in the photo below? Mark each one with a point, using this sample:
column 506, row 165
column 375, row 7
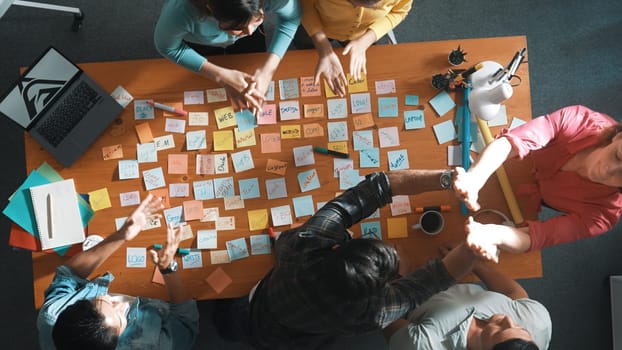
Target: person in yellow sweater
column 355, row 23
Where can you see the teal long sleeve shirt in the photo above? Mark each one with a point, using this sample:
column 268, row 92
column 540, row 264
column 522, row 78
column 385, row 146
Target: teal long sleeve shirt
column 180, row 22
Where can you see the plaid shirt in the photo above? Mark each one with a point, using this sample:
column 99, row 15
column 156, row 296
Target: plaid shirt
column 290, row 310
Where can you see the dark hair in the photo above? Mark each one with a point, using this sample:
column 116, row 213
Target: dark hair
column 231, row 13
column 81, row 326
column 359, row 268
column 516, row 344
column 609, row 133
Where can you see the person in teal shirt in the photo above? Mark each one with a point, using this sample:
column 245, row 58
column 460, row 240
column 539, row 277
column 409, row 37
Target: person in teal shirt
column 81, row 314
column 218, row 23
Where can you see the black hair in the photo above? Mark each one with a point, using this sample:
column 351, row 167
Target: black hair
column 516, row 344
column 231, row 14
column 81, row 326
column 359, row 268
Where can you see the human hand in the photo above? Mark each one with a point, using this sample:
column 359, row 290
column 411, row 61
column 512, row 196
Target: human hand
column 482, row 240
column 163, row 257
column 241, row 88
column 466, row 188
column 140, row 216
column 330, row 66
column 358, row 60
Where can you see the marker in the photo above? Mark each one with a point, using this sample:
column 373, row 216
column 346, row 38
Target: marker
column 180, row 251
column 441, row 208
column 331, row 152
column 167, row 108
column 50, row 217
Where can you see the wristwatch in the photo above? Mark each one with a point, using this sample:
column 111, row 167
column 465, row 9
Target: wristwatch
column 170, row 269
column 446, row 179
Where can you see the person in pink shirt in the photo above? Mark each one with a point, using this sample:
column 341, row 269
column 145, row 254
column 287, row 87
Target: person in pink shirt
column 577, row 154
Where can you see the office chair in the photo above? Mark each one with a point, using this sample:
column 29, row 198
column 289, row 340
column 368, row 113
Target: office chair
column 78, row 15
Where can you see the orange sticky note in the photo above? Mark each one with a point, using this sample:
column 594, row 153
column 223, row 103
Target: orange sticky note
column 178, row 105
column 193, row 210
column 223, row 140
column 144, row 132
column 219, row 280
column 363, row 121
column 307, row 88
column 290, row 132
column 178, row 163
column 162, row 193
column 112, row 152
column 329, row 92
column 270, row 143
column 315, row 110
column 276, row 167
column 157, row 277
column 312, row 130
column 397, row 228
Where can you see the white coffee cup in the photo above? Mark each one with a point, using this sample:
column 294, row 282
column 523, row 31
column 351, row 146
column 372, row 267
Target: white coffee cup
column 431, row 222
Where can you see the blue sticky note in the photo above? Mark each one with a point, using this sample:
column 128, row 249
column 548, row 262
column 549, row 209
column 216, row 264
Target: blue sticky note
column 196, row 140
column 203, row 190
column 442, row 103
column 143, row 110
column 337, row 131
column 153, row 178
column 260, row 244
column 308, row 180
column 369, row 157
column 246, row 120
column 237, row 249
column 146, row 152
column 223, row 187
column 303, row 206
column 363, row 139
column 173, row 215
column 249, row 188
column 398, row 159
column 360, row 103
column 270, row 92
column 288, row 88
column 128, row 169
column 276, row 188
column 348, row 179
column 414, row 120
column 412, row 100
column 371, row 230
column 387, row 107
column 445, row 131
column 337, row 108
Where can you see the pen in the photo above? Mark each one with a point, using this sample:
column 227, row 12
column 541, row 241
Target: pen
column 50, row 217
column 180, row 251
column 331, row 152
column 167, row 108
column 442, row 208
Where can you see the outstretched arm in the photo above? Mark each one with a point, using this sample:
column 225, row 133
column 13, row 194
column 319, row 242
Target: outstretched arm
column 163, row 259
column 84, row 263
column 415, row 181
column 487, row 239
column 498, row 282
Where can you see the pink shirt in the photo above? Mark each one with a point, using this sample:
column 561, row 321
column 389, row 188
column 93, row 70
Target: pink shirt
column 590, row 208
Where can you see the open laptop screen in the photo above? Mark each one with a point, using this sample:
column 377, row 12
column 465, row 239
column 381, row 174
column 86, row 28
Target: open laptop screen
column 38, row 87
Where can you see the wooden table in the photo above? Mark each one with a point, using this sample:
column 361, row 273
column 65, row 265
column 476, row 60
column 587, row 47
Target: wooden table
column 411, row 65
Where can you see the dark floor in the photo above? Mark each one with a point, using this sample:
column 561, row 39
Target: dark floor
column 574, row 53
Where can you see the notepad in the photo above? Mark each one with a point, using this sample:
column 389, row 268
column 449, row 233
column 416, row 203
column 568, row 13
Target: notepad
column 57, row 215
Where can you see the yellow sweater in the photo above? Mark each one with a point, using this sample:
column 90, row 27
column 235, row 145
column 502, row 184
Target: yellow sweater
column 339, row 20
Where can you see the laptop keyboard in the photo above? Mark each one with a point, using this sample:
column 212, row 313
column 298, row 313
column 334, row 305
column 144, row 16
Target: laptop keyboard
column 68, row 113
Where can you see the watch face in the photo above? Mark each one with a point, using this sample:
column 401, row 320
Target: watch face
column 446, row 179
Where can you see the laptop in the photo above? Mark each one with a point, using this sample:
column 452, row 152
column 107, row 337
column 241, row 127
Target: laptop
column 60, row 106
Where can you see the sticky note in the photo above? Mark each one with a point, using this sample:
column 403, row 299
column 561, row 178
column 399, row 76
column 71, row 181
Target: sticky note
column 218, row 280
column 337, row 131
column 173, row 216
column 289, row 110
column 153, row 178
column 388, row 137
column 260, row 244
column 249, row 188
column 308, row 180
column 276, row 167
column 194, row 260
column 337, row 108
column 303, row 206
column 327, row 90
column 207, row 239
column 340, row 164
column 99, row 199
column 371, row 230
column 146, row 153
column 210, row 214
column 178, row 163
column 223, row 140
column 175, row 125
column 219, row 257
column 501, row 119
column 129, row 198
column 315, row 110
column 223, row 187
column 363, row 121
column 112, row 152
column 360, row 103
column 193, row 210
column 516, row 122
column 204, row 164
column 128, row 169
column 442, row 103
column 308, row 88
column 338, row 146
column 397, row 228
column 164, row 142
column 237, row 249
column 400, row 205
column 245, row 119
column 276, row 188
column 357, row 85
column 363, row 139
column 312, row 130
column 225, row 117
column 203, row 190
column 242, row 161
column 288, row 89
column 216, row 95
column 348, row 179
column 281, row 215
column 162, row 193
column 143, row 130
column 270, row 92
column 385, row 87
column 387, row 107
column 195, row 140
column 244, row 138
column 194, row 97
column 267, row 115
column 290, row 131
column 454, row 155
column 411, row 100
column 178, row 190
column 221, row 165
column 198, row 118
column 233, row 202
column 369, row 158
column 398, row 160
column 303, row 155
column 225, row 223
column 157, row 276
column 445, row 131
column 135, row 257
column 186, row 232
column 122, row 96
column 143, row 110
column 414, row 120
column 270, row 143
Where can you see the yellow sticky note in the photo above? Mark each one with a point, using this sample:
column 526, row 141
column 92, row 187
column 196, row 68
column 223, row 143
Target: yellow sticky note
column 357, row 85
column 225, row 117
column 99, row 199
column 258, row 219
column 329, row 92
column 245, row 138
column 397, row 228
column 290, row 132
column 223, row 140
column 341, row 146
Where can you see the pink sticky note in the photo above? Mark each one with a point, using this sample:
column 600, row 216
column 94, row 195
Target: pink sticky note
column 178, row 163
column 219, row 280
column 271, row 143
column 268, row 115
column 193, row 210
column 157, row 277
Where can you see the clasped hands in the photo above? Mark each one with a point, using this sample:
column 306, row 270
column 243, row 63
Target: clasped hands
column 246, row 91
